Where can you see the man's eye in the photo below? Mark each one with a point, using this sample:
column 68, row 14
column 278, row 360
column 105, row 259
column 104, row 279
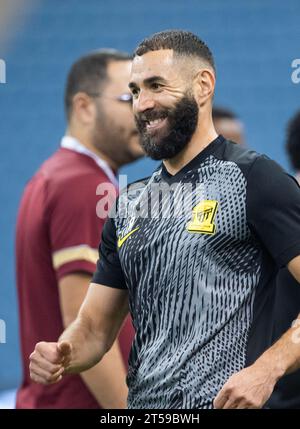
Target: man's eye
column 155, row 86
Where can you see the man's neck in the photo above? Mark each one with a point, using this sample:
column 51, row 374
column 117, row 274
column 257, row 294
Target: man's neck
column 197, row 144
column 86, row 143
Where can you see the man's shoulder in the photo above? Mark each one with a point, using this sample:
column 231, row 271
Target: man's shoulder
column 67, row 177
column 66, row 170
column 254, row 165
column 66, row 164
column 239, row 154
column 243, row 157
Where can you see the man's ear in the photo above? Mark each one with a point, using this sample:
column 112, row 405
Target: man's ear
column 84, row 108
column 204, row 85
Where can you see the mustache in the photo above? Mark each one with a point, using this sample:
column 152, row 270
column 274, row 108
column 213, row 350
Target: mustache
column 151, row 115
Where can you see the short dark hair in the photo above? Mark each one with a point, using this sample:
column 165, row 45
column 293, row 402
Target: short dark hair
column 182, row 42
column 222, row 113
column 89, row 72
column 293, row 140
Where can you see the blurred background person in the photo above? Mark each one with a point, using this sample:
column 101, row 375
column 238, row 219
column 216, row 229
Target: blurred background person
column 287, row 391
column 228, row 124
column 58, row 230
column 293, row 144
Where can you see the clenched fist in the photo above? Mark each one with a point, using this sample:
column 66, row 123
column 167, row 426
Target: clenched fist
column 49, row 361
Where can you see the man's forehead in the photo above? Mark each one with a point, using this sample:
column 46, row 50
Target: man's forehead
column 153, row 63
column 119, row 69
column 118, row 73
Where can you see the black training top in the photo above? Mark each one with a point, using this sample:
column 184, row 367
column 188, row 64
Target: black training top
column 199, row 252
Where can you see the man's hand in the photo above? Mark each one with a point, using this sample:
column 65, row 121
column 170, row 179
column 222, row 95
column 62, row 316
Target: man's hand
column 49, row 361
column 249, row 388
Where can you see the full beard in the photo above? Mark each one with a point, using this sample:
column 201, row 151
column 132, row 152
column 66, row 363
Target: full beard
column 181, row 123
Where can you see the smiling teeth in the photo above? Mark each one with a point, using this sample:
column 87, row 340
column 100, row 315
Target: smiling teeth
column 155, row 121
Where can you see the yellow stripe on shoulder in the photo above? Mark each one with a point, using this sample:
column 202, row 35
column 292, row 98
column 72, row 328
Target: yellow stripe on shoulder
column 76, row 253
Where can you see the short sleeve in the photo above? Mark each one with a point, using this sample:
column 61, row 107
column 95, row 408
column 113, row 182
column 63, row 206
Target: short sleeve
column 109, row 271
column 74, row 226
column 273, row 209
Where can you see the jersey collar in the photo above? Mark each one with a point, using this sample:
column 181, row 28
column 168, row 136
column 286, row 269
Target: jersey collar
column 194, row 163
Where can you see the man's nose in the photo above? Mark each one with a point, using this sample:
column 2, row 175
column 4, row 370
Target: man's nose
column 144, row 102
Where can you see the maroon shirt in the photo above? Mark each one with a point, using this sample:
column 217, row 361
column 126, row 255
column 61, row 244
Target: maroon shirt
column 58, row 233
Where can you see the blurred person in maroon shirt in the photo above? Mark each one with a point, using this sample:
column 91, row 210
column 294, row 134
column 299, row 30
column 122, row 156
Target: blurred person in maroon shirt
column 58, row 229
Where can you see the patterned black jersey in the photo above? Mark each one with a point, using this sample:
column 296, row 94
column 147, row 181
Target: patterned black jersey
column 198, row 253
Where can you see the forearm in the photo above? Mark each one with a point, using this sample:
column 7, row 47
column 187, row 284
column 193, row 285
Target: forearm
column 107, row 380
column 284, row 356
column 88, row 347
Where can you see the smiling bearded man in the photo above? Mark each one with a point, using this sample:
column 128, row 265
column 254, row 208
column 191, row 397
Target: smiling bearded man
column 199, row 284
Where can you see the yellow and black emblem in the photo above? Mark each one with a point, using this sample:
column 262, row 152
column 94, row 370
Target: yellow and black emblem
column 203, row 217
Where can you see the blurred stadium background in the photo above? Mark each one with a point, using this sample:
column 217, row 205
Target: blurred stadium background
column 254, row 44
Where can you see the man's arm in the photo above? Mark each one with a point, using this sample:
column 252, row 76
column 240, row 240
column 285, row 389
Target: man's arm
column 86, row 340
column 252, row 386
column 107, row 379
